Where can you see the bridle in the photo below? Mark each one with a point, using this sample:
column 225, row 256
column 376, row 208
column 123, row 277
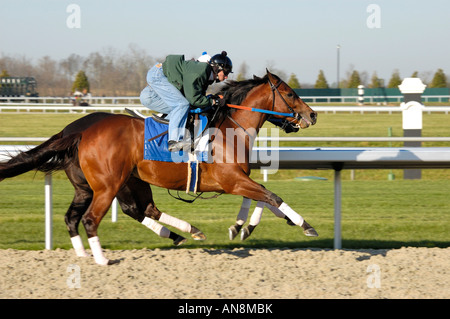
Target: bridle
column 274, row 88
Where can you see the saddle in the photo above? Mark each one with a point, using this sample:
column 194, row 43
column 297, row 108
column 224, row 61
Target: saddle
column 156, row 142
column 205, row 116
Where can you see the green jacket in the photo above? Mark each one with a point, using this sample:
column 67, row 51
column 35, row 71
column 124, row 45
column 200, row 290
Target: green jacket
column 190, row 77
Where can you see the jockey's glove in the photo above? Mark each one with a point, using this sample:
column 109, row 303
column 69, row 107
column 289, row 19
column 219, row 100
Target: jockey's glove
column 218, row 101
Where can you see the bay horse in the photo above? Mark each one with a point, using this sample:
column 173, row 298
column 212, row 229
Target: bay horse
column 108, row 157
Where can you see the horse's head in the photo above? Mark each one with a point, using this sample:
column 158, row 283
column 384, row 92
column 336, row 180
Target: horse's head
column 285, row 100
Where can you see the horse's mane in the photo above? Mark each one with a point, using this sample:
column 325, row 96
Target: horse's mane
column 234, row 92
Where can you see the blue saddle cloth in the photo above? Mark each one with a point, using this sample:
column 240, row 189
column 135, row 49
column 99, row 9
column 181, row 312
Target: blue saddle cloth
column 156, row 149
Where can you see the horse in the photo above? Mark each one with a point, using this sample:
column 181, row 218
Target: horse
column 109, row 153
column 135, row 196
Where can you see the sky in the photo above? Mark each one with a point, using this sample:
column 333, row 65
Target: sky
column 296, row 37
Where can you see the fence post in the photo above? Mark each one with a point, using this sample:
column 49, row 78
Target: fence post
column 48, row 212
column 114, row 210
column 360, row 94
column 412, row 107
column 337, row 209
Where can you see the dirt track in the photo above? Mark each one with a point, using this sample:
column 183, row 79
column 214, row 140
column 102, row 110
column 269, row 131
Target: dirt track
column 238, row 273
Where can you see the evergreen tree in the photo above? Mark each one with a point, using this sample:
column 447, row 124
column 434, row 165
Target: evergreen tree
column 293, row 82
column 4, row 74
column 81, row 82
column 415, row 74
column 395, row 80
column 375, row 82
column 242, row 75
column 354, row 81
column 321, row 82
column 439, row 80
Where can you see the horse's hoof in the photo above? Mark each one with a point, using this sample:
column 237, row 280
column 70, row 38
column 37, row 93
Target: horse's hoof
column 113, row 262
column 310, row 232
column 198, row 236
column 232, row 232
column 245, row 233
column 180, row 240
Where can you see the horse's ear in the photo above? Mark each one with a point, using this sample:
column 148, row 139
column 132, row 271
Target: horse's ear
column 256, row 77
column 271, row 77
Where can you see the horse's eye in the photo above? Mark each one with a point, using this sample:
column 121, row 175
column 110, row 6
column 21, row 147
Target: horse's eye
column 290, row 95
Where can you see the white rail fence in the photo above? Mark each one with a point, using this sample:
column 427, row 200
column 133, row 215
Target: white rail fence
column 337, row 159
column 309, row 99
column 113, row 108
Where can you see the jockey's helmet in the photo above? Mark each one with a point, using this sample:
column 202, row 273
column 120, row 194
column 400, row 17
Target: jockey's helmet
column 220, row 62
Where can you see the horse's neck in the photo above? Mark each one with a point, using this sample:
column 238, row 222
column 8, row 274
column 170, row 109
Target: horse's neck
column 244, row 124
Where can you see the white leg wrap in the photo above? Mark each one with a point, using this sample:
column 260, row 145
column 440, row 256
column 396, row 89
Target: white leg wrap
column 175, row 222
column 276, row 211
column 243, row 212
column 159, row 229
column 293, row 216
column 78, row 246
column 257, row 213
column 94, row 243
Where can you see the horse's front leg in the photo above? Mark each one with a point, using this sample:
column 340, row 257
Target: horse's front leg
column 240, row 219
column 134, row 198
column 254, row 221
column 244, row 186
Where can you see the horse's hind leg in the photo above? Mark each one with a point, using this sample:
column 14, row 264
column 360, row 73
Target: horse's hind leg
column 80, row 203
column 134, row 197
column 142, row 193
column 101, row 201
column 182, row 225
column 78, row 207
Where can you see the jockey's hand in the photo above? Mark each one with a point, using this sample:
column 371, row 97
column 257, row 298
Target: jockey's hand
column 218, row 101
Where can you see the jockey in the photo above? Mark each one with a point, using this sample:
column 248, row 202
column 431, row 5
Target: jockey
column 176, row 84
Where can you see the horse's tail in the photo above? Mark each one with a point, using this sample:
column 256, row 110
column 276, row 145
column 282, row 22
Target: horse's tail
column 54, row 154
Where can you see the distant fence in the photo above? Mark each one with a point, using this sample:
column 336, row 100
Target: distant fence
column 69, row 108
column 371, row 99
column 310, row 99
